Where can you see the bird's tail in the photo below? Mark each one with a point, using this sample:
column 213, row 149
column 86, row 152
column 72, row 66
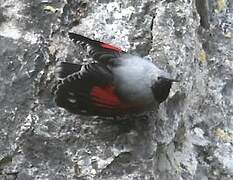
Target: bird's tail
column 64, row 69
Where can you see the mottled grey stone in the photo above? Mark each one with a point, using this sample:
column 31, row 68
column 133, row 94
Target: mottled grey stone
column 190, row 136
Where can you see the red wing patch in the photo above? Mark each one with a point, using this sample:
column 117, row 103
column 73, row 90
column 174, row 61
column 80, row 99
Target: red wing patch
column 106, row 97
column 108, row 46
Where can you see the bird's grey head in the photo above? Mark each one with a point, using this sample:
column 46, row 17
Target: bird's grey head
column 161, row 86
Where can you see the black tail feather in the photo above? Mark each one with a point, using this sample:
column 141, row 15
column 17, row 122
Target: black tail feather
column 64, row 69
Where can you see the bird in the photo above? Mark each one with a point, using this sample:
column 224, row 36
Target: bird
column 114, row 83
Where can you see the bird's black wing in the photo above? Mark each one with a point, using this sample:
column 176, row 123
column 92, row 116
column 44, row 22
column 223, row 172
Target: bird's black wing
column 100, row 51
column 90, row 91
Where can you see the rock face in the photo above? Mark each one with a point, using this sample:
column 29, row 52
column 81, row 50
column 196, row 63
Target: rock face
column 191, row 135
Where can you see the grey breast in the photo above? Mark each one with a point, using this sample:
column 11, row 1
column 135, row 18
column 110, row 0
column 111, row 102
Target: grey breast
column 133, row 79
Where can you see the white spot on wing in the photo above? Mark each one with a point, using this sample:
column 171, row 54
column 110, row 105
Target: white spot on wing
column 72, row 100
column 71, row 93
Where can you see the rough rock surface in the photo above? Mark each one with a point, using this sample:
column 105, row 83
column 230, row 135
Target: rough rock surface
column 191, row 135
